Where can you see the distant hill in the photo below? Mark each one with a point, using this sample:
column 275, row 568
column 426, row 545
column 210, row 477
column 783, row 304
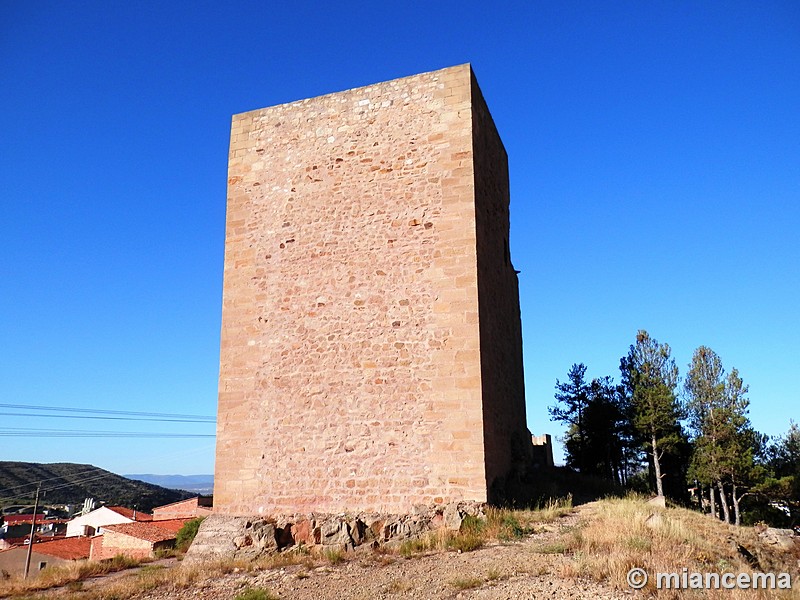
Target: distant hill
column 69, row 483
column 200, row 484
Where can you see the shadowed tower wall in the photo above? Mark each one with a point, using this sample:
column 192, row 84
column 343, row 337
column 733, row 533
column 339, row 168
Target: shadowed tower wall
column 371, row 354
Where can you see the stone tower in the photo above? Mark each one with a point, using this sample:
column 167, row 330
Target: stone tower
column 371, row 352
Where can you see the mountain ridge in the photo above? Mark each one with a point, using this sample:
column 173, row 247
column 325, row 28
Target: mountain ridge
column 71, row 483
column 201, row 484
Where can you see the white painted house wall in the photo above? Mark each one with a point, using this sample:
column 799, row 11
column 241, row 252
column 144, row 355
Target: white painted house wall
column 96, row 520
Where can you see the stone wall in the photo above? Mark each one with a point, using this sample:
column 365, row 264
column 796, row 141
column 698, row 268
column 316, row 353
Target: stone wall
column 506, row 438
column 112, row 543
column 354, row 374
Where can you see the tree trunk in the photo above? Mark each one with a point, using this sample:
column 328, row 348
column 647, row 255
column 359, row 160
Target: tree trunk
column 737, row 515
column 712, row 501
column 724, row 501
column 657, row 468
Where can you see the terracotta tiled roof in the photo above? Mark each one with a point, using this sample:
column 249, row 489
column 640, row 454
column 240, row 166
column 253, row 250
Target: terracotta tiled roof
column 171, row 525
column 142, row 531
column 128, row 513
column 71, row 548
column 22, row 519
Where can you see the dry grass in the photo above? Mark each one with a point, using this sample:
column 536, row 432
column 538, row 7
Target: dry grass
column 295, row 556
column 621, row 534
column 496, row 574
column 69, row 574
column 500, row 524
column 469, row 538
column 550, row 511
column 171, row 580
column 466, row 583
column 398, row 586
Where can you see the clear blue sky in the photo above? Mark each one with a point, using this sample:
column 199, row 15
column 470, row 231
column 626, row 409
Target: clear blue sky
column 655, row 168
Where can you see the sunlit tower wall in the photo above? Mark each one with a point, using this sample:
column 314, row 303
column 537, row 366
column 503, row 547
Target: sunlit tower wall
column 371, row 349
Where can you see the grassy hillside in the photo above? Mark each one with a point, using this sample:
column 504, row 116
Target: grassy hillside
column 556, row 551
column 69, row 483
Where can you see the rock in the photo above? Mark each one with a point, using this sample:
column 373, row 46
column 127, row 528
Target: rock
column 222, row 536
column 374, row 530
column 658, row 501
column 452, row 517
column 782, row 538
column 303, row 532
column 334, row 532
column 357, row 531
column 228, row 537
column 418, row 526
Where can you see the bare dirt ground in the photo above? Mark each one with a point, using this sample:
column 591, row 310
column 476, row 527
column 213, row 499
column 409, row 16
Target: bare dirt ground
column 527, row 568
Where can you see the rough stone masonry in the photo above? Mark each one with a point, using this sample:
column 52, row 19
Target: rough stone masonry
column 371, row 350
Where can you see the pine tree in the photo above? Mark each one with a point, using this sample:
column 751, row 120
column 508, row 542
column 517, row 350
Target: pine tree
column 651, row 376
column 572, row 397
column 704, row 388
column 724, row 439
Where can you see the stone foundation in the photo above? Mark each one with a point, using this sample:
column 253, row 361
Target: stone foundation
column 226, row 537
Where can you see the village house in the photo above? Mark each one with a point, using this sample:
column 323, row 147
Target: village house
column 199, row 506
column 137, row 539
column 16, row 529
column 93, row 523
column 44, row 554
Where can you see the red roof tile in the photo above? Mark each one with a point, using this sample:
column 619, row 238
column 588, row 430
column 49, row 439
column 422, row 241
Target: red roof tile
column 22, row 519
column 71, row 548
column 142, row 531
column 172, row 525
column 129, row 513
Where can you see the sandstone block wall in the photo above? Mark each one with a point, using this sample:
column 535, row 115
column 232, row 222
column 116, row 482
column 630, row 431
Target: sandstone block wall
column 110, row 544
column 184, row 509
column 370, row 349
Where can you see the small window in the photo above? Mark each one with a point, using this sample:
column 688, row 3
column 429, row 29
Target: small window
column 42, row 565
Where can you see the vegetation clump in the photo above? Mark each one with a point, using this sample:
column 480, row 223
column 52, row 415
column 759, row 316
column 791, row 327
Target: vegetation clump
column 187, row 533
column 256, row 594
column 690, row 441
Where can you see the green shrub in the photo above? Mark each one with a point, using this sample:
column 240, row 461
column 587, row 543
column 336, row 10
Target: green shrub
column 334, row 556
column 510, row 528
column 187, row 533
column 472, row 524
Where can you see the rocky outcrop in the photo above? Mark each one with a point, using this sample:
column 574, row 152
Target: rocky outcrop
column 225, row 537
column 784, row 539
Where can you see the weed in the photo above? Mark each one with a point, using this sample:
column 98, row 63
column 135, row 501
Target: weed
column 255, row 594
column 559, row 547
column 166, row 553
column 466, row 583
column 147, row 569
column 466, row 542
column 334, row 556
column 495, row 574
column 397, row 586
column 639, row 543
